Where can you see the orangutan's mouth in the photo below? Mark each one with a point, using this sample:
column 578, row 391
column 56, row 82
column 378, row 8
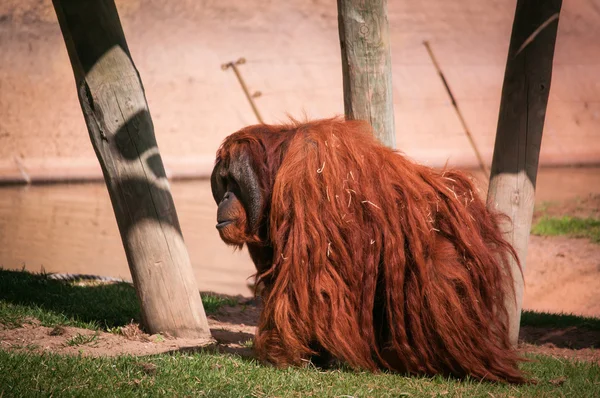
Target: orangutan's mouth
column 223, row 224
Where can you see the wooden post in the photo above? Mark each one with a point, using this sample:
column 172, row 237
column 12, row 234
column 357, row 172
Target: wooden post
column 367, row 65
column 116, row 113
column 520, row 125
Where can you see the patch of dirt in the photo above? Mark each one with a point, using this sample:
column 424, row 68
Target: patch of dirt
column 569, row 343
column 548, row 349
column 77, row 341
column 562, row 274
column 232, row 330
column 576, row 338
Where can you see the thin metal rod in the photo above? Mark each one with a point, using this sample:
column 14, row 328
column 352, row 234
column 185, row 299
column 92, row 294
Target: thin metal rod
column 483, row 166
column 233, row 65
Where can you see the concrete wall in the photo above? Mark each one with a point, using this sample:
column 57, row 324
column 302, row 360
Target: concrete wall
column 292, row 53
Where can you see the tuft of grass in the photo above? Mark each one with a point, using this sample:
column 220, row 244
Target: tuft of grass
column 25, row 347
column 571, row 226
column 248, row 343
column 13, row 316
column 159, row 338
column 115, row 330
column 82, row 339
column 25, row 296
column 213, row 302
column 210, row 374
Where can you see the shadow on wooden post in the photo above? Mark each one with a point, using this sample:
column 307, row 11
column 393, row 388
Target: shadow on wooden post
column 116, row 113
column 520, row 125
column 367, row 65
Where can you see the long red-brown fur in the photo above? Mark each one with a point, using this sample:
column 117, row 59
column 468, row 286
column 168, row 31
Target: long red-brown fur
column 377, row 260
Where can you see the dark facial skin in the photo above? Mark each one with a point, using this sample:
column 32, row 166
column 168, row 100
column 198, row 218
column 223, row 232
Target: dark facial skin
column 232, row 220
column 236, row 190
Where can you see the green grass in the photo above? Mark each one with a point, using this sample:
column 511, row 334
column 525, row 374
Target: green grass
column 207, row 373
column 212, row 302
column 571, row 226
column 26, row 295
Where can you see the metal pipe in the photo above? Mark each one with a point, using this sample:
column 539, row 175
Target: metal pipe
column 233, row 65
column 484, row 168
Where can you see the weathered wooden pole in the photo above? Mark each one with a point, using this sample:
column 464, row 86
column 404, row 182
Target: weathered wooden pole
column 367, row 65
column 116, row 113
column 520, row 125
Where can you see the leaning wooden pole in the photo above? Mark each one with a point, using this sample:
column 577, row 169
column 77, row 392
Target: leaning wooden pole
column 116, row 113
column 367, row 65
column 520, row 125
